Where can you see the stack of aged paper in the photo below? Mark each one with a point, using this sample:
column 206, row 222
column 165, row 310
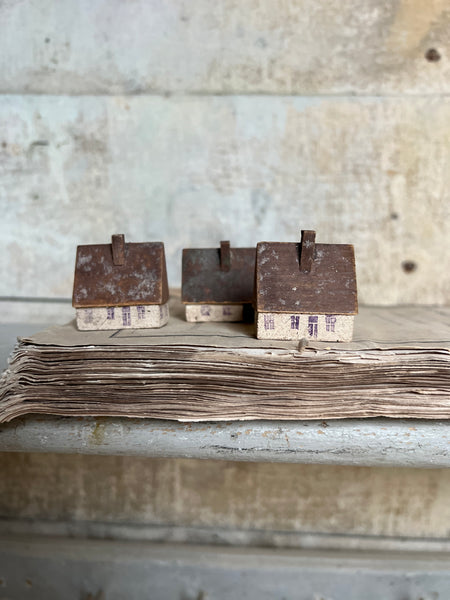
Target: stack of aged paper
column 397, row 366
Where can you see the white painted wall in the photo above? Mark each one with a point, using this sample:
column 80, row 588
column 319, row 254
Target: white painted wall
column 195, row 122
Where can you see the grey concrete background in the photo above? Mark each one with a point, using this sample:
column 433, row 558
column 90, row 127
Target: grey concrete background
column 105, row 570
column 192, row 123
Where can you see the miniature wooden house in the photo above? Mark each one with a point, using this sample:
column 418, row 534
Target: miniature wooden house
column 305, row 290
column 217, row 283
column 121, row 285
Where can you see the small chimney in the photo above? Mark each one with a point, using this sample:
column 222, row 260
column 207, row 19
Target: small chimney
column 118, row 249
column 307, row 249
column 225, row 256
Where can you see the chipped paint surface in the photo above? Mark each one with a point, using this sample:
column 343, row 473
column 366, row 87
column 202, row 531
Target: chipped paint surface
column 372, row 172
column 141, row 278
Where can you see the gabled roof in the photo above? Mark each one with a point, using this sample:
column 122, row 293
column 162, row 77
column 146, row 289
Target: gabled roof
column 218, row 275
column 284, row 283
column 120, row 274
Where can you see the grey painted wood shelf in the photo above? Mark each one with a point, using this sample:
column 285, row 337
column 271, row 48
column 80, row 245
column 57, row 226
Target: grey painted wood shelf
column 369, row 442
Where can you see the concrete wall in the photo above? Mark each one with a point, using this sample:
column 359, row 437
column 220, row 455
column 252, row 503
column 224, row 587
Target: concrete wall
column 191, row 123
column 223, row 495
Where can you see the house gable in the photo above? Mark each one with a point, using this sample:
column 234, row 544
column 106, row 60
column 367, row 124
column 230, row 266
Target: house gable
column 218, row 275
column 120, row 274
column 329, row 287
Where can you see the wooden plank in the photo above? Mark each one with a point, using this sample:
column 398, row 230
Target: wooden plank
column 340, row 442
column 255, row 46
column 240, row 497
column 95, row 570
column 193, row 171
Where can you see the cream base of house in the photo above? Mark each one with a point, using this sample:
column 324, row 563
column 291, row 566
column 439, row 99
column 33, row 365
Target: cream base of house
column 214, row 312
column 123, row 317
column 320, row 328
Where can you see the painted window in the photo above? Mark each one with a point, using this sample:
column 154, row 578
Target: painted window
column 110, row 313
column 140, row 312
column 313, row 326
column 330, row 322
column 126, row 316
column 269, row 322
column 295, row 321
column 204, row 310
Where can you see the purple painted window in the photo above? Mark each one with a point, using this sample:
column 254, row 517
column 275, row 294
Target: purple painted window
column 269, row 322
column 126, row 316
column 313, row 326
column 140, row 312
column 88, row 315
column 330, row 322
column 110, row 313
column 204, row 310
column 226, row 310
column 295, row 322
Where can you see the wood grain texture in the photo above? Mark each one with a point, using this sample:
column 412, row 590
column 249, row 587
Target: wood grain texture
column 355, row 442
column 137, row 277
column 284, row 284
column 253, row 46
column 218, row 275
column 191, row 171
column 202, row 493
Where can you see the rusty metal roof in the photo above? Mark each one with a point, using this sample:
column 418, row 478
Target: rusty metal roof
column 218, row 275
column 323, row 282
column 120, row 274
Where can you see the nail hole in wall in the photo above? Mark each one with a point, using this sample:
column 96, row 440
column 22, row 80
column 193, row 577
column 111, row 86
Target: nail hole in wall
column 432, row 55
column 409, row 266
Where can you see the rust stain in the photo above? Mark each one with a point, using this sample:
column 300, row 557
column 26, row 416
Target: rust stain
column 98, row 435
column 412, row 23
